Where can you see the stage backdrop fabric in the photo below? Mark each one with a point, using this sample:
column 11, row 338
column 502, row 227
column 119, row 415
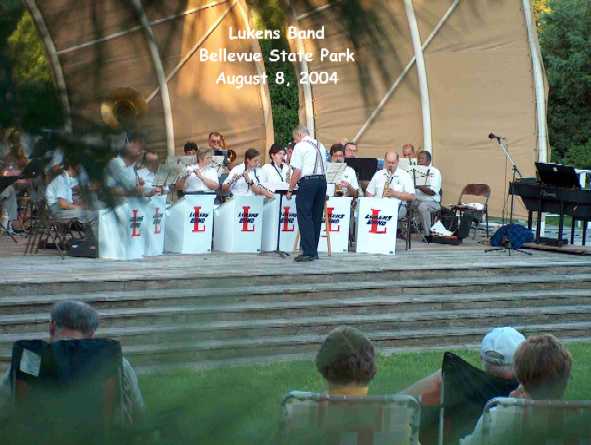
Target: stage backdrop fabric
column 479, row 77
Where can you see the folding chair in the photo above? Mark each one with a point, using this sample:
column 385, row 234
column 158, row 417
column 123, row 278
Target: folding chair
column 48, row 229
column 479, row 190
column 69, row 388
column 541, row 422
column 464, row 392
column 310, row 418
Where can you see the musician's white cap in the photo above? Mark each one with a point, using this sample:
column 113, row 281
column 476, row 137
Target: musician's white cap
column 499, row 346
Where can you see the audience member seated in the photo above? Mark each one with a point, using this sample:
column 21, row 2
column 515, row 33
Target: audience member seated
column 542, row 366
column 203, row 177
column 428, row 196
column 466, row 388
column 74, row 320
column 60, row 195
column 350, row 150
column 349, row 186
column 245, row 178
column 392, row 182
column 121, row 178
column 147, row 173
column 347, row 362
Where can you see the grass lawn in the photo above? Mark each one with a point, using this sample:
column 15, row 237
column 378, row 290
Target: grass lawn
column 242, row 405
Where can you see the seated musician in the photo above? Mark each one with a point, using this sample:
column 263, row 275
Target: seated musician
column 203, row 177
column 349, row 185
column 278, row 171
column 245, row 178
column 350, row 150
column 147, row 174
column 408, row 151
column 75, row 320
column 428, row 196
column 60, row 195
column 190, row 148
column 121, row 178
column 392, row 182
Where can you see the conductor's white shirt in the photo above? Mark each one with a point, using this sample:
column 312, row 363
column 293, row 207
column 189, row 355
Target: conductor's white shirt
column 305, row 156
column 401, row 182
column 272, row 174
column 240, row 187
column 194, row 184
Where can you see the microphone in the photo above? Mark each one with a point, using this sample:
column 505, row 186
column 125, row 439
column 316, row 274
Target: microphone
column 491, row 135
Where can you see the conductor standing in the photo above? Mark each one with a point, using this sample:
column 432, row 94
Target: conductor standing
column 308, row 163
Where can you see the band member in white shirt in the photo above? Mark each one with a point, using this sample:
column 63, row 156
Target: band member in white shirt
column 408, row 151
column 203, row 177
column 147, row 173
column 277, row 172
column 392, row 182
column 349, row 185
column 309, row 173
column 245, row 179
column 350, row 150
column 428, row 196
column 60, row 195
column 121, row 177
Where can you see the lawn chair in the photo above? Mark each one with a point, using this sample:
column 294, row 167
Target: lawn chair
column 69, row 388
column 508, row 421
column 311, row 419
column 452, row 410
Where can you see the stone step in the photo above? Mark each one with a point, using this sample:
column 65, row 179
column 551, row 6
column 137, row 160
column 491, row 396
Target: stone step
column 351, row 305
column 196, row 351
column 20, row 304
column 287, row 325
column 383, row 271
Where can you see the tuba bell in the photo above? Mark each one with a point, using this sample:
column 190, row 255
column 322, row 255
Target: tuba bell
column 123, row 108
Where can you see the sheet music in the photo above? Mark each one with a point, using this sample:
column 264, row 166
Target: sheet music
column 421, row 175
column 406, row 164
column 165, row 175
column 335, row 172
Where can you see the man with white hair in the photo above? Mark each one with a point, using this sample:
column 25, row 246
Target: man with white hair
column 496, row 355
column 75, row 320
column 309, row 173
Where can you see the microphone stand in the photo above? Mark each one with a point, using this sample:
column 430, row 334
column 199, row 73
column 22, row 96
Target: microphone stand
column 515, row 171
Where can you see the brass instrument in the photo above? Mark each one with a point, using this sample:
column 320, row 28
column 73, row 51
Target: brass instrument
column 338, row 190
column 389, row 177
column 123, row 108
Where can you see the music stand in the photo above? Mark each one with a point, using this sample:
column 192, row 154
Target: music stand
column 5, row 182
column 365, row 168
column 507, row 245
column 278, row 250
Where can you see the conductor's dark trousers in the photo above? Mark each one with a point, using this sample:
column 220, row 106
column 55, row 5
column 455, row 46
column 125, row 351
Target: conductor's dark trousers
column 310, row 207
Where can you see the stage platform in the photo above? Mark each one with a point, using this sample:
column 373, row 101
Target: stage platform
column 227, row 309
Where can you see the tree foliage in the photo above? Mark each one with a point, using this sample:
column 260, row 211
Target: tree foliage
column 567, row 57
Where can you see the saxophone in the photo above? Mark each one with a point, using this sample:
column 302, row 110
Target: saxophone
column 389, row 177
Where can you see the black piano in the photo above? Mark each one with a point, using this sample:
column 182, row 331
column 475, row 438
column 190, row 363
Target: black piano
column 556, row 191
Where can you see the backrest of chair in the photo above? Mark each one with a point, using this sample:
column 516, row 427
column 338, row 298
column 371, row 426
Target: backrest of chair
column 539, row 422
column 310, row 418
column 74, row 384
column 482, row 190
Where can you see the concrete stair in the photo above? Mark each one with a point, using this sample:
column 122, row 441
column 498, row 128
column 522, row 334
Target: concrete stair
column 206, row 321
